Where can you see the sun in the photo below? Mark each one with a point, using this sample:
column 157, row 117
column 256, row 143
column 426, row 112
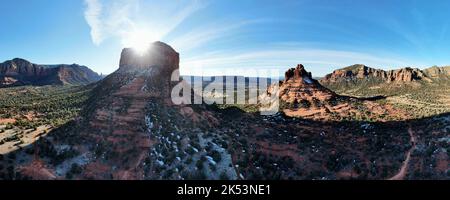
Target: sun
column 140, row 48
column 139, row 40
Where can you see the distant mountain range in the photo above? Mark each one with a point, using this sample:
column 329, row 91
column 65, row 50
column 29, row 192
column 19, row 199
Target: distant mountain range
column 359, row 72
column 361, row 79
column 18, row 72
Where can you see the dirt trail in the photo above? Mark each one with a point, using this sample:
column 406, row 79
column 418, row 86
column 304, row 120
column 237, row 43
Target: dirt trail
column 404, row 169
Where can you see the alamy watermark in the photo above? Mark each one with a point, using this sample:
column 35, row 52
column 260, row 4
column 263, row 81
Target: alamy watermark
column 260, row 89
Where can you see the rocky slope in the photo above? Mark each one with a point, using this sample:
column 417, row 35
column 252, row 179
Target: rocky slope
column 438, row 72
column 19, row 72
column 360, row 80
column 303, row 96
column 129, row 126
column 359, row 72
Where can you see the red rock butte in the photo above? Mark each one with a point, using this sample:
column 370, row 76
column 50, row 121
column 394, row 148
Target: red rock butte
column 298, row 73
column 159, row 56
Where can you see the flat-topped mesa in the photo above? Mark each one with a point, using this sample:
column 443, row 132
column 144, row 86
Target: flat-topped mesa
column 159, row 56
column 19, row 66
column 362, row 72
column 19, row 72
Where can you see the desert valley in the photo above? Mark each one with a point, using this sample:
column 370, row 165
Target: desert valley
column 358, row 122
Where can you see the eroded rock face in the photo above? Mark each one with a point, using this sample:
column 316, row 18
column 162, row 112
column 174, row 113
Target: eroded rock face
column 360, row 72
column 21, row 67
column 305, row 97
column 298, row 73
column 299, row 85
column 22, row 72
column 405, row 75
column 159, row 57
column 438, row 72
column 129, row 110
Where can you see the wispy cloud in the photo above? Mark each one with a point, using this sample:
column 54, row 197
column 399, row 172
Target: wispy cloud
column 92, row 16
column 133, row 20
column 214, row 45
column 318, row 61
column 205, row 34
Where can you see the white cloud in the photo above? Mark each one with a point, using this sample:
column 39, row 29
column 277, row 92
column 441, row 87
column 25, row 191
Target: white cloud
column 92, row 14
column 135, row 21
column 203, row 35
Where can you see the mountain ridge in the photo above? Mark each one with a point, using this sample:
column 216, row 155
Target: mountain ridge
column 20, row 72
column 407, row 74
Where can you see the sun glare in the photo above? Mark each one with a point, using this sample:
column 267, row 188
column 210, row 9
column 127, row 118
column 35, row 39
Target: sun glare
column 141, row 48
column 139, row 40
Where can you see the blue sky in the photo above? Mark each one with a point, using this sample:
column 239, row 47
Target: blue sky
column 219, row 35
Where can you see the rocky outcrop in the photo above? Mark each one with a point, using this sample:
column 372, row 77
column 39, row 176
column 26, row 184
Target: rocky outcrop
column 405, row 75
column 438, row 72
column 305, row 97
column 130, row 108
column 298, row 85
column 298, row 74
column 19, row 72
column 159, row 57
column 362, row 72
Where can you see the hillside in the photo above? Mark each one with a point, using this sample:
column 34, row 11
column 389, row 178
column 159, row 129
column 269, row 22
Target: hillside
column 29, row 112
column 421, row 93
column 438, row 73
column 361, row 80
column 303, row 96
column 129, row 121
column 20, row 72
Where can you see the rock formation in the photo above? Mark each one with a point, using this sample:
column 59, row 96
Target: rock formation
column 438, row 72
column 159, row 56
column 362, row 72
column 129, row 108
column 305, row 97
column 18, row 72
column 299, row 85
column 299, row 73
column 130, row 129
